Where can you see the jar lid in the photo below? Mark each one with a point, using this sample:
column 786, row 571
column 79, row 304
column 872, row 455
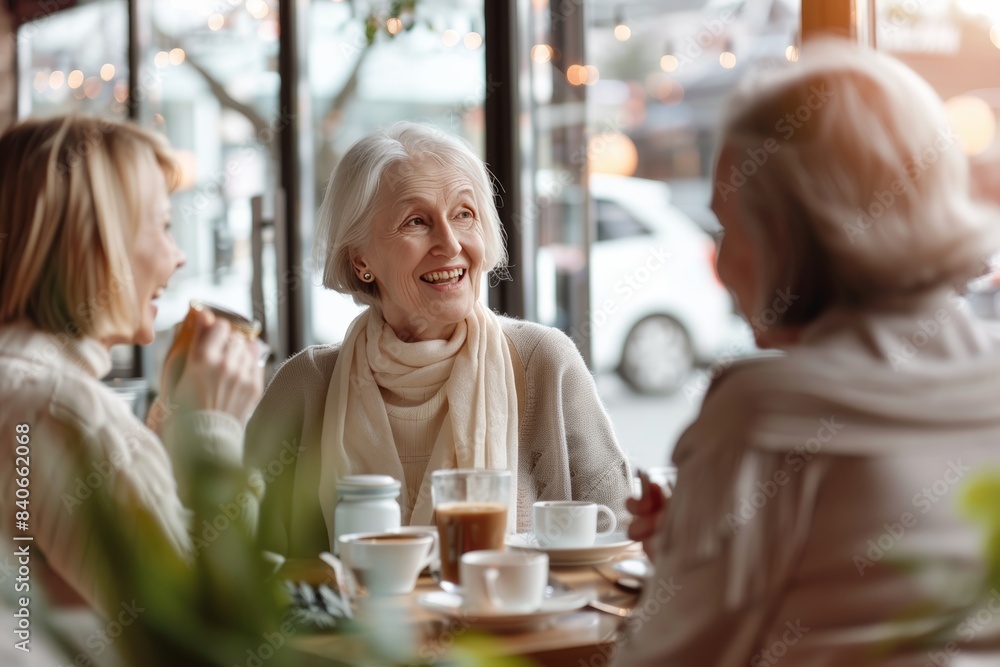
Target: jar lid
column 368, row 484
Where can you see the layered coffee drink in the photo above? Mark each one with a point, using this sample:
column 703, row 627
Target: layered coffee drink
column 468, row 526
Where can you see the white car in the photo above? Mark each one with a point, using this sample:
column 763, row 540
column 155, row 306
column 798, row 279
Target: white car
column 657, row 306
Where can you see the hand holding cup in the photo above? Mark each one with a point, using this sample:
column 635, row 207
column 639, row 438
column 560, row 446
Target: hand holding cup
column 213, row 363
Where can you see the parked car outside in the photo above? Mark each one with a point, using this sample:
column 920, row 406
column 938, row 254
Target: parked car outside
column 657, row 306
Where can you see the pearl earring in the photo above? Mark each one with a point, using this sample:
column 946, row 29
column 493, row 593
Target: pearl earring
column 367, row 277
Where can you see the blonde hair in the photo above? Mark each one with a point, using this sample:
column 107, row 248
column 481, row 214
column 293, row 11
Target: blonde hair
column 348, row 209
column 71, row 193
column 846, row 166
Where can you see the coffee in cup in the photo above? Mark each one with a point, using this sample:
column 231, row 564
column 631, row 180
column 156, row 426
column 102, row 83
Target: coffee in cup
column 569, row 523
column 470, row 509
column 386, row 563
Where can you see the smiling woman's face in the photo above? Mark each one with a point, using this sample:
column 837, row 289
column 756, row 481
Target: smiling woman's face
column 426, row 250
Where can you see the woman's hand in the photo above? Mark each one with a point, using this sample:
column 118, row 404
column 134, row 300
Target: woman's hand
column 221, row 371
column 646, row 512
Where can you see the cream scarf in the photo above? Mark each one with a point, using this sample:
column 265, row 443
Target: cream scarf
column 473, row 368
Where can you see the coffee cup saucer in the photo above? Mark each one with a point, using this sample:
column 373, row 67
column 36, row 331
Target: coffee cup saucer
column 604, row 549
column 452, row 604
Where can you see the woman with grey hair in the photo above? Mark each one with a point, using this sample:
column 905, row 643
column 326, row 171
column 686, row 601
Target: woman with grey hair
column 814, row 518
column 427, row 377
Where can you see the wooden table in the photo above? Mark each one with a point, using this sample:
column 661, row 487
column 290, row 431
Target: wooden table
column 578, row 638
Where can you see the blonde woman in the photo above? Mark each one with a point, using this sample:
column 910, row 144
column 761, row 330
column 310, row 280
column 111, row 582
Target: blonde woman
column 815, row 519
column 85, row 251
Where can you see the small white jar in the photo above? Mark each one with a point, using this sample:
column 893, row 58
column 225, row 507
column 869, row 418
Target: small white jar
column 367, row 504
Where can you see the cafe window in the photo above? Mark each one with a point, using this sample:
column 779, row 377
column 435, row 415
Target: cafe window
column 633, row 99
column 616, row 108
column 955, row 46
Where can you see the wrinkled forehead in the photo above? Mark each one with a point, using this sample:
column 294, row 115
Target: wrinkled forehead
column 425, row 176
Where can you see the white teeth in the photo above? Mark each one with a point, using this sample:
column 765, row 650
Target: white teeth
column 441, row 276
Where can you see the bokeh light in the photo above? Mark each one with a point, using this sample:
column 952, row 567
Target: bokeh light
column 974, row 122
column 541, row 53
column 613, row 153
column 257, row 8
column 473, row 41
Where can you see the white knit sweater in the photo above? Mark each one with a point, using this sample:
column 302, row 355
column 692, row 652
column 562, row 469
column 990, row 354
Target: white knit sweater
column 567, row 448
column 50, row 384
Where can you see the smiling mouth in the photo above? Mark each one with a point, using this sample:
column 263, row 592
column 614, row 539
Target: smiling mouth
column 443, row 277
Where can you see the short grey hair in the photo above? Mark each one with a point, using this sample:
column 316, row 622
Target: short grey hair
column 846, row 167
column 348, row 209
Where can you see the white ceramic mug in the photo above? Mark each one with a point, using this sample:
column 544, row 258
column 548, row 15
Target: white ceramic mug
column 503, row 581
column 569, row 523
column 387, row 563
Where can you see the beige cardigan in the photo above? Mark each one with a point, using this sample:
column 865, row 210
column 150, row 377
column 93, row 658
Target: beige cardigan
column 566, row 446
column 814, row 520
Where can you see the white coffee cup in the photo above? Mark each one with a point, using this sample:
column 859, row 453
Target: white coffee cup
column 503, row 581
column 569, row 523
column 387, row 563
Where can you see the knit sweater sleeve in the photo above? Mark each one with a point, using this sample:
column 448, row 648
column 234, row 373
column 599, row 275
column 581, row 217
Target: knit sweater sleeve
column 281, row 440
column 566, row 433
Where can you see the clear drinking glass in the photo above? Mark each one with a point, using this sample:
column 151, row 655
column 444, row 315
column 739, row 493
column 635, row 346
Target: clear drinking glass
column 470, row 509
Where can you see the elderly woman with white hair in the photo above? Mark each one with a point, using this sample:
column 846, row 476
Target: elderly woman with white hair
column 814, row 518
column 427, row 377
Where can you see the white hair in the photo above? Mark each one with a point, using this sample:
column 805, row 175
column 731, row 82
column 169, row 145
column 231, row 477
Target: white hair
column 846, row 163
column 348, row 209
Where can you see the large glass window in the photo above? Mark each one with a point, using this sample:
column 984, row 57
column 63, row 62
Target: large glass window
column 375, row 63
column 209, row 82
column 627, row 120
column 207, row 79
column 75, row 60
